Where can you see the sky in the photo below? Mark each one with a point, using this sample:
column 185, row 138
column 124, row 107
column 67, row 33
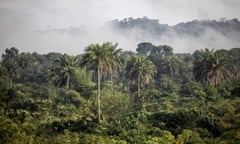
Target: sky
column 29, row 24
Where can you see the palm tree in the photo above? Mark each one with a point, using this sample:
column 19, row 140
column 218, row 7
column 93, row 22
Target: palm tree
column 172, row 66
column 64, row 68
column 114, row 61
column 141, row 70
column 104, row 58
column 210, row 67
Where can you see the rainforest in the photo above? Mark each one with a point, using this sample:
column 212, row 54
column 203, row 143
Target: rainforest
column 110, row 95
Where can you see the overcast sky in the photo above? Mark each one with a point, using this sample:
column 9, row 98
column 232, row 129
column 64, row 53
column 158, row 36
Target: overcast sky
column 21, row 20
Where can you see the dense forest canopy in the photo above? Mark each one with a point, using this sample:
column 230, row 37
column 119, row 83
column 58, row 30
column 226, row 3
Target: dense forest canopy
column 108, row 95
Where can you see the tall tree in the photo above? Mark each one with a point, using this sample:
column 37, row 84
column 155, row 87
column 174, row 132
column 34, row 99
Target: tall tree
column 63, row 69
column 113, row 61
column 141, row 70
column 210, row 67
column 103, row 57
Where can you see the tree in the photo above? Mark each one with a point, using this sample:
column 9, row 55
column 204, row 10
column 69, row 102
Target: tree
column 172, row 66
column 234, row 63
column 148, row 49
column 10, row 53
column 141, row 70
column 104, row 58
column 10, row 62
column 113, row 61
column 64, row 68
column 145, row 48
column 210, row 67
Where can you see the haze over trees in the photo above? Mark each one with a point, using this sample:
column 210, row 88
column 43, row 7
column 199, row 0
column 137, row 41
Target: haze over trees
column 184, row 37
column 107, row 95
column 195, row 28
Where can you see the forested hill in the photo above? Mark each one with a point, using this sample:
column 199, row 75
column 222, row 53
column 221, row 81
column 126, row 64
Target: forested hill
column 184, row 37
column 193, row 28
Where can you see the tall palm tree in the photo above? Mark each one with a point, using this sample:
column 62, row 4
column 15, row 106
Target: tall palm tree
column 103, row 57
column 114, row 61
column 141, row 70
column 64, row 68
column 210, row 67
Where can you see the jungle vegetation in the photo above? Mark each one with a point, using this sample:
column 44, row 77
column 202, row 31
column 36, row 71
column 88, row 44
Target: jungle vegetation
column 108, row 95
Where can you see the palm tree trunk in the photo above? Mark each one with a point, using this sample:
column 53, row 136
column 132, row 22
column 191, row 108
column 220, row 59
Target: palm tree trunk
column 98, row 96
column 139, row 91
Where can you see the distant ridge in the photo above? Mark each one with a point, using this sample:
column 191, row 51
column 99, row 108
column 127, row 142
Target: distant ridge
column 193, row 28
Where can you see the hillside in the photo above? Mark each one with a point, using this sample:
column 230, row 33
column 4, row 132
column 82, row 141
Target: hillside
column 193, row 28
column 184, row 37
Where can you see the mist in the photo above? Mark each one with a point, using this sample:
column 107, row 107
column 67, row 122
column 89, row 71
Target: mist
column 68, row 26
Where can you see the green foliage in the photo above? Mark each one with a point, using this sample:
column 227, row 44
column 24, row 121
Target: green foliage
column 63, row 70
column 188, row 136
column 90, row 138
column 161, row 137
column 141, row 70
column 105, row 58
column 11, row 132
column 82, row 81
column 210, row 67
column 115, row 105
column 149, row 49
column 230, row 137
column 144, row 99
